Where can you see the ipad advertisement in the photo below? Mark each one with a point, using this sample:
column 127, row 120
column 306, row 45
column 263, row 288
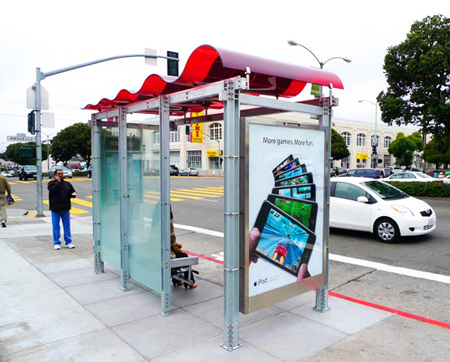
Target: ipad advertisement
column 285, row 208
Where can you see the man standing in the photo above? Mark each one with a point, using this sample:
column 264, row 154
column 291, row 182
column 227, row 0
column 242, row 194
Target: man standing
column 4, row 188
column 60, row 193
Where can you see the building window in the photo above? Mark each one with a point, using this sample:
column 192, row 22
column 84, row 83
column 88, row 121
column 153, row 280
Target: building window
column 387, row 159
column 215, row 163
column 387, row 141
column 215, row 131
column 347, row 137
column 156, row 137
column 361, row 139
column 345, row 162
column 175, row 158
column 174, row 136
column 194, row 159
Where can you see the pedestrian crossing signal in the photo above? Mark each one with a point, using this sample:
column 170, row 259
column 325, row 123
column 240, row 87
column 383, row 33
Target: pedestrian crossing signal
column 31, row 123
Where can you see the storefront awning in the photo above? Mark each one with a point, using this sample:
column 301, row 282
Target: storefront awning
column 207, row 64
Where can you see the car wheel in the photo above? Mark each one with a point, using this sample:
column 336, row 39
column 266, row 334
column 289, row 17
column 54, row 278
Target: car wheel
column 387, row 231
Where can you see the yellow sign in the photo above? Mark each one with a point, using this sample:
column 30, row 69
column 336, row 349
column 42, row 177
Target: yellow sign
column 197, row 132
column 196, row 114
column 213, row 153
column 362, row 156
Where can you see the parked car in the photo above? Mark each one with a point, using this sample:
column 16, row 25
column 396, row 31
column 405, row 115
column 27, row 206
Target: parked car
column 65, row 170
column 26, row 172
column 446, row 180
column 336, row 171
column 189, row 172
column 438, row 173
column 365, row 172
column 7, row 174
column 89, row 172
column 374, row 206
column 174, row 171
column 412, row 177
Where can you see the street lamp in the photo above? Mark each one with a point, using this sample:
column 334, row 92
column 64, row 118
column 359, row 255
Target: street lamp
column 374, row 143
column 321, row 64
column 41, row 76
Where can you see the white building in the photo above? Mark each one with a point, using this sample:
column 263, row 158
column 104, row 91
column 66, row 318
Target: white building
column 204, row 153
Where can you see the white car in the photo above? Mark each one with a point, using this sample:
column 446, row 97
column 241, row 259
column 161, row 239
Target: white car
column 7, row 174
column 374, row 206
column 411, row 176
column 446, row 180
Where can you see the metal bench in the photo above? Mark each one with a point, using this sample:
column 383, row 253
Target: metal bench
column 184, row 263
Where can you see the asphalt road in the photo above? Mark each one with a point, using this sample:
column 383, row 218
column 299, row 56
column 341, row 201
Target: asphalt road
column 198, row 201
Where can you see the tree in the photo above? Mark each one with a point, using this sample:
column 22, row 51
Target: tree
column 438, row 151
column 339, row 149
column 403, row 148
column 418, row 75
column 71, row 141
column 12, row 153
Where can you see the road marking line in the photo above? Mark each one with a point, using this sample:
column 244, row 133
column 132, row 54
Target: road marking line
column 157, row 197
column 180, row 194
column 73, row 210
column 199, row 193
column 89, row 197
column 348, row 260
column 82, row 202
column 391, row 310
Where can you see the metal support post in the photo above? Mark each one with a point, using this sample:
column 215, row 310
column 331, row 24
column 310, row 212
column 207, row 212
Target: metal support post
column 325, row 121
column 39, row 199
column 95, row 137
column 231, row 218
column 164, row 117
column 123, row 203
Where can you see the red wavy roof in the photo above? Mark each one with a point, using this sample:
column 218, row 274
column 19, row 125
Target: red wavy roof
column 207, row 64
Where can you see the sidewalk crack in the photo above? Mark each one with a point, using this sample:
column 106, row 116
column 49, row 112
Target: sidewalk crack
column 355, row 279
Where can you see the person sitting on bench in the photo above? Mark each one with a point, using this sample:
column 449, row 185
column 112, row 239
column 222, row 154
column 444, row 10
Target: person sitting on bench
column 176, row 252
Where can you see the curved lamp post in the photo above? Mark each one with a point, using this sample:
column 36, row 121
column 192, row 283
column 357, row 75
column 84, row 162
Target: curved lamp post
column 321, row 64
column 375, row 142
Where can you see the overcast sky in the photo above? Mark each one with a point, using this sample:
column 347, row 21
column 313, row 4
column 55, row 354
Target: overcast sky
column 56, row 34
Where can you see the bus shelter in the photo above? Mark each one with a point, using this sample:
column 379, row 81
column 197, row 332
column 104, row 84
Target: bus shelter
column 131, row 182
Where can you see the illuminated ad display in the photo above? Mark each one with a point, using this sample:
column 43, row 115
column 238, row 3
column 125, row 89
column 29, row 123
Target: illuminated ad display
column 284, row 232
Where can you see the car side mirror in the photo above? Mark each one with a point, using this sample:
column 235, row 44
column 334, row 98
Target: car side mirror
column 363, row 199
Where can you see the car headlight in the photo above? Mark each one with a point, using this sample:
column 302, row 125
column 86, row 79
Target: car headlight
column 402, row 209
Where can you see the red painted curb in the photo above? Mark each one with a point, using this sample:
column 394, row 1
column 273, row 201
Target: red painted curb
column 391, row 310
column 359, row 301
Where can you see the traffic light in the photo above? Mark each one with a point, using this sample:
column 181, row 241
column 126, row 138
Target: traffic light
column 374, row 150
column 188, row 130
column 31, row 123
column 172, row 65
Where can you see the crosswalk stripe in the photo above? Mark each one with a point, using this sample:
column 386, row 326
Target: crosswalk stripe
column 16, row 198
column 179, row 194
column 82, row 202
column 89, row 197
column 73, row 210
column 157, row 197
column 200, row 193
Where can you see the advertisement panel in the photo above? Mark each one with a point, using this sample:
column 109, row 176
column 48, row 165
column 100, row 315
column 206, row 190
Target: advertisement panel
column 283, row 252
column 197, row 132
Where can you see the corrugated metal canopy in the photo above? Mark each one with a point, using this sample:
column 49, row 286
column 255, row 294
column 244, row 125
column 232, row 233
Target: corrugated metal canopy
column 207, row 64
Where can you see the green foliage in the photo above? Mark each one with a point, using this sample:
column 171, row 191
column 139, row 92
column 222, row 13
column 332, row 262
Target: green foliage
column 71, row 141
column 430, row 189
column 339, row 149
column 12, row 153
column 438, row 150
column 418, row 72
column 403, row 148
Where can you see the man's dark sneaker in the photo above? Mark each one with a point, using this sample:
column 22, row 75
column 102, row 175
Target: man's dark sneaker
column 3, row 223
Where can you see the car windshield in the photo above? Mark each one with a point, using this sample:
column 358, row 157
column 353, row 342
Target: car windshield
column 30, row 168
column 385, row 191
column 423, row 175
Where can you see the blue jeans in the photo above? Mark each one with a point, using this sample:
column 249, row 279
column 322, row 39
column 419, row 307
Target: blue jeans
column 65, row 216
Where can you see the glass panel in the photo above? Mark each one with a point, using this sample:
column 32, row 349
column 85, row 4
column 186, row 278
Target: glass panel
column 144, row 208
column 109, row 198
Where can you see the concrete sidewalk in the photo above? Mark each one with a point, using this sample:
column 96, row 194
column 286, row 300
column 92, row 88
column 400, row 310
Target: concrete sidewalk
column 54, row 308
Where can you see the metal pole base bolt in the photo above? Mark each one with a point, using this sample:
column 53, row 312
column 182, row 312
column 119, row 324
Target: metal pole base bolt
column 322, row 300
